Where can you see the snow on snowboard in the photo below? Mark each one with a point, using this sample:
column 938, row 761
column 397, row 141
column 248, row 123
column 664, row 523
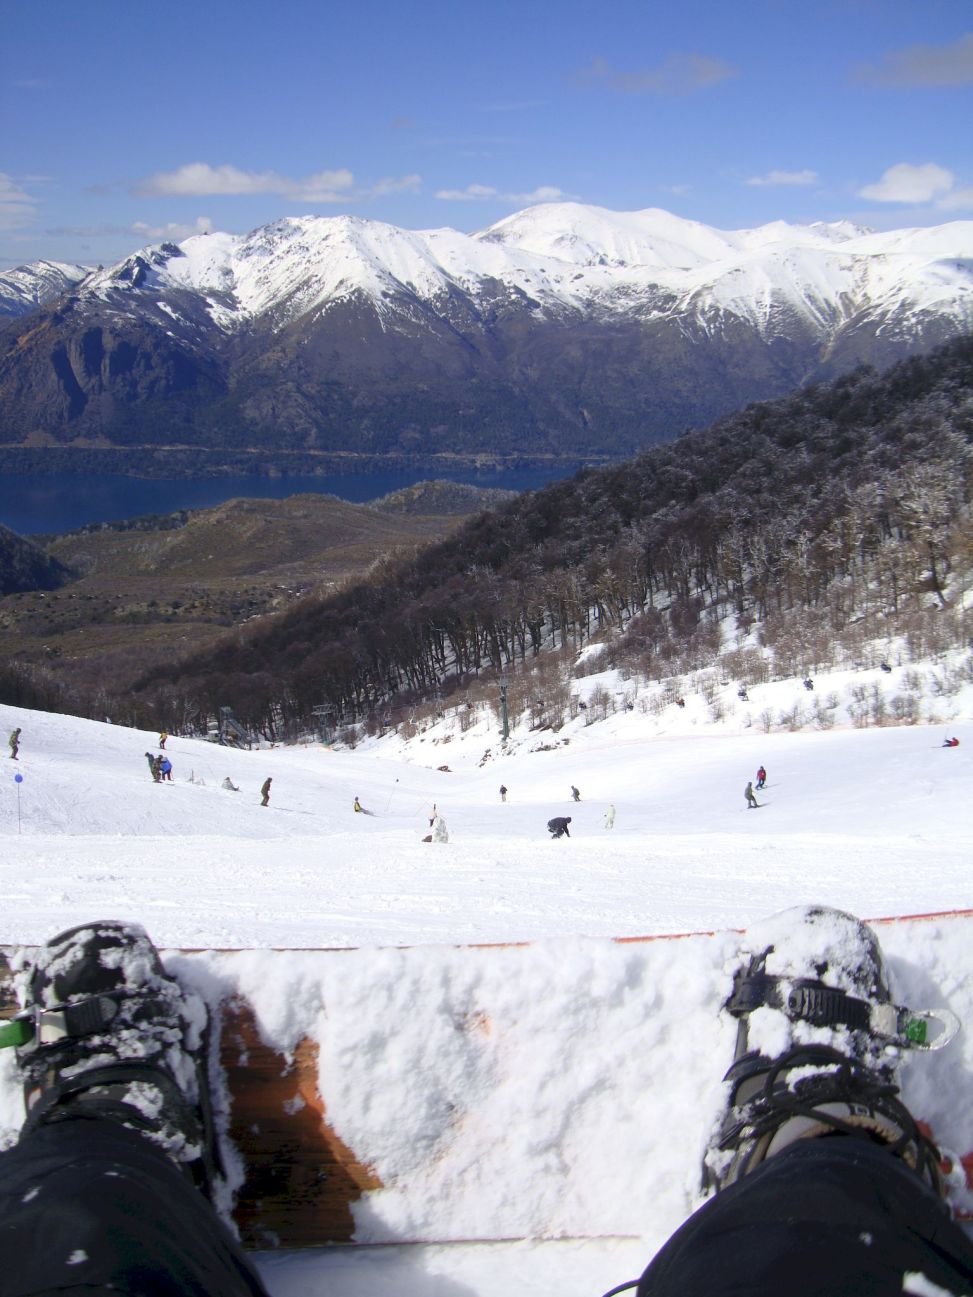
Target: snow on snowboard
column 410, row 1094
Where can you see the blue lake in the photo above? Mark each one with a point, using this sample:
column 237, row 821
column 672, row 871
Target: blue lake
column 32, row 503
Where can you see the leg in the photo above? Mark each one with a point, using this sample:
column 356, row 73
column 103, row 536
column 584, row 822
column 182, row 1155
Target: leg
column 90, row 1204
column 825, row 1217
column 108, row 1187
column 825, row 1184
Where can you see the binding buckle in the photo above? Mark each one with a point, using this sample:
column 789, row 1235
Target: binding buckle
column 49, row 1026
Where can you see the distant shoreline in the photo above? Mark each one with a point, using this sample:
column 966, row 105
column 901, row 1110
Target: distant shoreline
column 36, row 504
column 150, row 463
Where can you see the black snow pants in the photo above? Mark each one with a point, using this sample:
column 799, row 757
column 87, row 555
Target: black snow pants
column 828, row 1217
column 88, row 1205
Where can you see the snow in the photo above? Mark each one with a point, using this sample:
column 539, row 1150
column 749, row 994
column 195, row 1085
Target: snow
column 513, row 1098
column 570, row 257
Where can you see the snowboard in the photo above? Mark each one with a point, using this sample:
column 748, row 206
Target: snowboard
column 384, row 1095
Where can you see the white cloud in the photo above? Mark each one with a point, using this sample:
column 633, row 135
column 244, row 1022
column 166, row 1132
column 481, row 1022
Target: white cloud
column 905, row 183
column 925, row 65
column 471, row 194
column 395, row 185
column 17, row 208
column 677, row 74
column 484, row 193
column 957, row 200
column 173, row 231
column 199, row 179
column 775, row 178
column 542, row 194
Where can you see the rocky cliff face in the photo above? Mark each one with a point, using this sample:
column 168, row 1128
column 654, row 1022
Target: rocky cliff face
column 562, row 331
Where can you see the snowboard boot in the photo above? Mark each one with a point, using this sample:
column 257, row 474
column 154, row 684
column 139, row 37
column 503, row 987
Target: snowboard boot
column 819, row 1042
column 112, row 1035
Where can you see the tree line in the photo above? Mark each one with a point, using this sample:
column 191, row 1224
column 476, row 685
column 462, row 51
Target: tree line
column 842, row 500
column 842, row 505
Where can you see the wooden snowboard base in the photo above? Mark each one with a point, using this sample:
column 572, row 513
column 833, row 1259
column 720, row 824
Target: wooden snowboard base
column 300, row 1179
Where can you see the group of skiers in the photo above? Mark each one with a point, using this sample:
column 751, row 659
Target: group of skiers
column 160, row 767
column 748, row 793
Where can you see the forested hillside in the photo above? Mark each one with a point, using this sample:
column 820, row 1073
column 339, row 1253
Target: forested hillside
column 815, row 522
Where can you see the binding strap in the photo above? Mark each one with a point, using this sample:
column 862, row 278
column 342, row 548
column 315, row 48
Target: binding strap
column 799, row 998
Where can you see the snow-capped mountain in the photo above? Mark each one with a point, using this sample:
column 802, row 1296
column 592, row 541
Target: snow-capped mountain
column 564, row 329
column 27, row 287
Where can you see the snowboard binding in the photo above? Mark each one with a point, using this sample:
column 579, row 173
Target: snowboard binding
column 819, row 1042
column 106, row 1032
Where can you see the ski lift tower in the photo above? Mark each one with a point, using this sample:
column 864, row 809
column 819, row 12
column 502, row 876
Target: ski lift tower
column 505, row 719
column 325, row 712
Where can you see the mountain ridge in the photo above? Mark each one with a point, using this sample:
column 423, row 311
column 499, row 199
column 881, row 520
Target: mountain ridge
column 562, row 329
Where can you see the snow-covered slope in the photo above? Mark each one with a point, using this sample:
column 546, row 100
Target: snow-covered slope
column 562, row 1088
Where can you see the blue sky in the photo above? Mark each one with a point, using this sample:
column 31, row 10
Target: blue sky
column 123, row 123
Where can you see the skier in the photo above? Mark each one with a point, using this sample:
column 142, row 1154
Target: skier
column 503, row 792
column 575, row 795
column 157, row 767
column 558, row 827
column 14, row 742
column 153, row 768
column 162, row 740
column 165, row 767
column 748, row 794
column 858, row 1211
column 761, row 777
column 265, row 792
column 610, row 817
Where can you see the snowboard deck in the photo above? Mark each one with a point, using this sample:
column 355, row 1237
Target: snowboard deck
column 301, row 1181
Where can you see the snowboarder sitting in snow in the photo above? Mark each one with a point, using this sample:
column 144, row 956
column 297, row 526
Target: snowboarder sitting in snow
column 558, row 827
column 951, row 743
column 134, row 1179
column 748, row 794
column 229, row 785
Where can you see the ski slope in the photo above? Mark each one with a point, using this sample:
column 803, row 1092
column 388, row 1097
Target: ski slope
column 600, row 1047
